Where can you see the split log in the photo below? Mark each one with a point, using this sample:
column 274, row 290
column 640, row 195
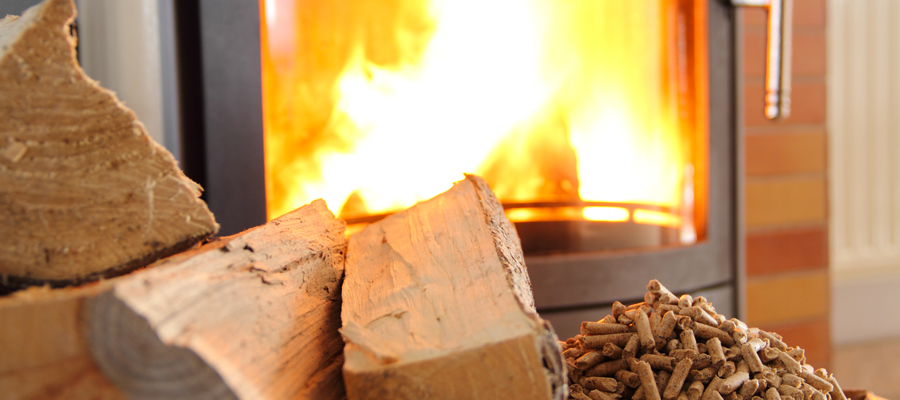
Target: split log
column 252, row 316
column 84, row 192
column 438, row 305
column 43, row 348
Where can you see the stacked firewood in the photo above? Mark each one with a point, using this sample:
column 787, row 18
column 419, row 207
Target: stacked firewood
column 670, row 347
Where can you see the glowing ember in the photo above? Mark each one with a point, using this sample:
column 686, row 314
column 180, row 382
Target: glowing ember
column 376, row 105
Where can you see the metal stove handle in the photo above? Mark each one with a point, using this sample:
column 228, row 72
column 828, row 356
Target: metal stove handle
column 778, row 54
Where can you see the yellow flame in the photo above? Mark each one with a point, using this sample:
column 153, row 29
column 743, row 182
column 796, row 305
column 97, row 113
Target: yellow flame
column 609, row 214
column 653, row 217
column 374, row 106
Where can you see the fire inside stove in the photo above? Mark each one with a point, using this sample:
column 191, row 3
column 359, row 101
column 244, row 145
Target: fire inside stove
column 587, row 117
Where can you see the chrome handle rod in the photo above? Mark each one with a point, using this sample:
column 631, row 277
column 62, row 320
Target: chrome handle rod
column 778, row 54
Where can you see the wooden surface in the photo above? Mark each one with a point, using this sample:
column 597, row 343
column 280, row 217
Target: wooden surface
column 437, row 304
column 253, row 316
column 44, row 349
column 84, row 192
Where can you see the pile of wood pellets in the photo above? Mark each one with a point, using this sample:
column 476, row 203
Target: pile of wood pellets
column 670, row 347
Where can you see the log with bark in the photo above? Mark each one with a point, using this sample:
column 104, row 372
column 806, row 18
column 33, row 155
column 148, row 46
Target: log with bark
column 438, row 305
column 252, row 316
column 84, row 192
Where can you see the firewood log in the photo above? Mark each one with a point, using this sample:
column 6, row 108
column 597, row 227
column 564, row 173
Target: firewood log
column 252, row 316
column 84, row 192
column 43, row 348
column 438, row 305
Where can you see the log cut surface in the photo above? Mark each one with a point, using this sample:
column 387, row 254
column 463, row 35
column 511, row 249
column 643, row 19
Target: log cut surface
column 438, row 305
column 252, row 316
column 44, row 348
column 84, row 192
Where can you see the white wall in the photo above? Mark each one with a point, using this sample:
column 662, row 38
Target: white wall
column 864, row 167
column 119, row 46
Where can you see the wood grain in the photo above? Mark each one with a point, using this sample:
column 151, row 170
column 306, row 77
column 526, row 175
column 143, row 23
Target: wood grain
column 437, row 304
column 84, row 192
column 44, row 351
column 253, row 316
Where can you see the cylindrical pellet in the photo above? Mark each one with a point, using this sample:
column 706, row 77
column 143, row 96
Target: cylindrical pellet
column 817, row 382
column 708, row 332
column 648, row 381
column 768, row 354
column 790, row 364
column 681, row 354
column 695, row 390
column 714, row 347
column 662, row 379
column 629, row 378
column 659, row 361
column 673, row 345
column 590, row 359
column 733, row 382
column 650, row 298
column 712, row 390
column 749, row 388
column 727, row 326
column 601, row 395
column 685, row 301
column 596, row 328
column 617, row 309
column 791, row 380
column 703, row 360
column 667, row 325
column 631, row 347
column 703, row 374
column 676, row 381
column 668, row 298
column 639, row 393
column 655, row 287
column 642, row 323
column 597, row 341
column 726, row 370
column 749, row 353
column 608, row 368
column 837, row 393
column 789, row 391
column 612, row 351
column 605, row 384
column 688, row 340
column 774, row 341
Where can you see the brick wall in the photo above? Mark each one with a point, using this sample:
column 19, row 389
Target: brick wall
column 785, row 189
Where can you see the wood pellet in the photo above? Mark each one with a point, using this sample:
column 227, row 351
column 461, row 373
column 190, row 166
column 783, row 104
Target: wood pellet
column 672, row 347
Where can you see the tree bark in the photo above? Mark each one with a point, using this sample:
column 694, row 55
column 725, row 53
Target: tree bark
column 438, row 304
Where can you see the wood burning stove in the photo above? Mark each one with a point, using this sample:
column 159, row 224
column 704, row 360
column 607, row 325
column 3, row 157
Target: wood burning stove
column 577, row 266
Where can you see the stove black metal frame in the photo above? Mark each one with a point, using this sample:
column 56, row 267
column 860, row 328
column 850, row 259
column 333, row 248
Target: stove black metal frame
column 221, row 97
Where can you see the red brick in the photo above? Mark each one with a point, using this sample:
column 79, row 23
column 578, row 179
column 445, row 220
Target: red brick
column 784, row 251
column 808, row 57
column 786, row 298
column 785, row 201
column 785, row 152
column 806, row 13
column 811, row 335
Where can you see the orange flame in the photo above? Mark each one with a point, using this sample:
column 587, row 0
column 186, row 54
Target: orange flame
column 376, row 105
